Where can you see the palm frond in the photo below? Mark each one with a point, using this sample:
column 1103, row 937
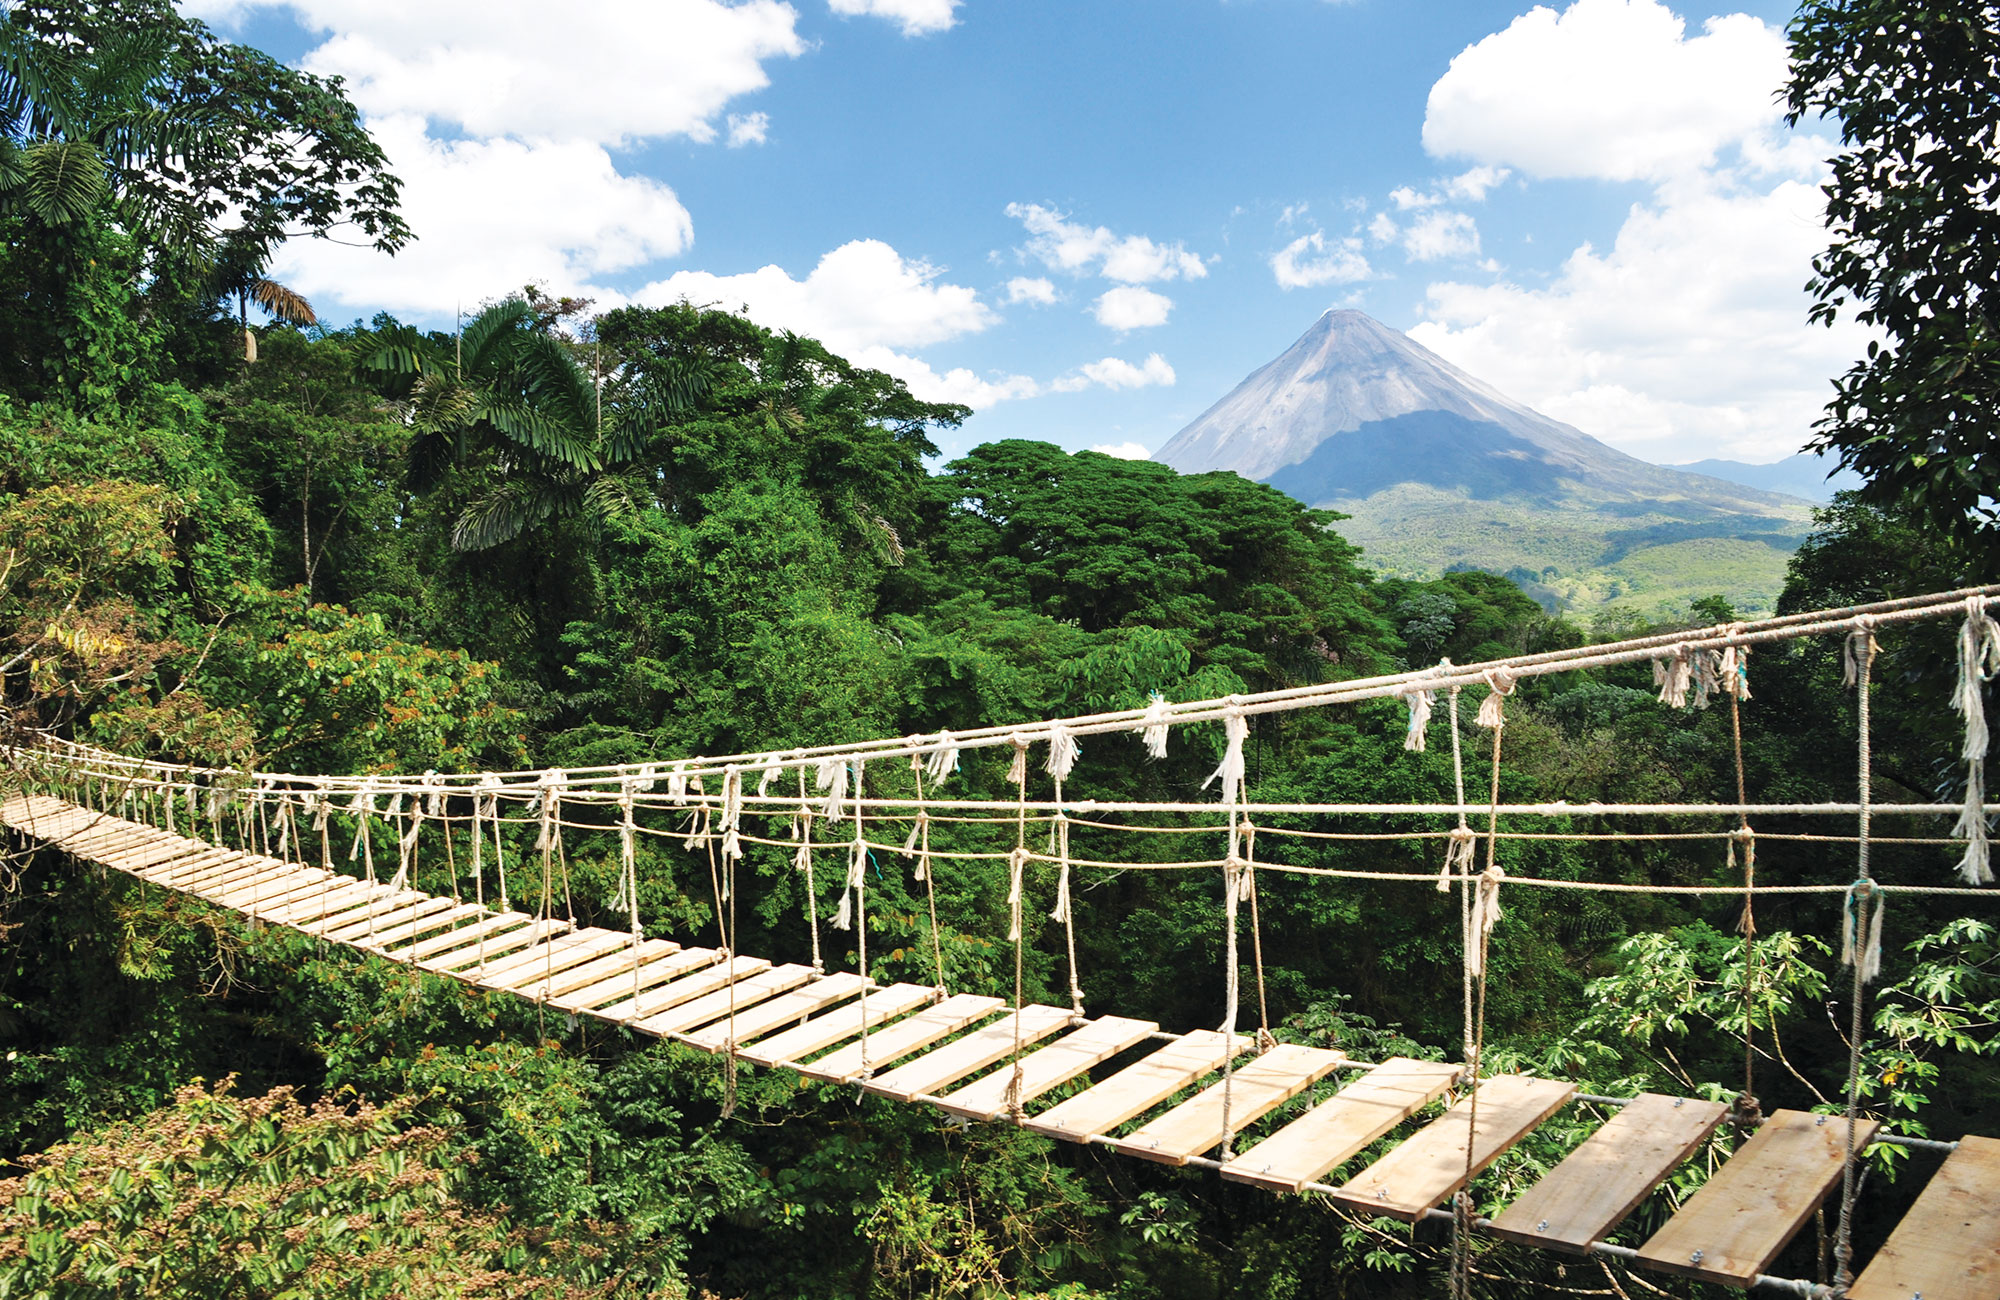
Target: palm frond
column 64, row 180
column 281, row 302
column 488, row 337
column 539, row 432
column 508, row 510
column 552, row 377
column 431, row 454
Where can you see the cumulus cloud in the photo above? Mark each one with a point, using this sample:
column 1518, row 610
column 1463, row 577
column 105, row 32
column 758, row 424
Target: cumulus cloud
column 1124, row 450
column 748, row 128
column 863, row 294
column 1314, row 259
column 491, row 216
column 1116, row 373
column 1687, row 338
column 611, row 71
column 916, row 17
column 1063, row 245
column 1031, row 289
column 1611, row 89
column 1129, row 307
column 1438, row 234
column 959, row 384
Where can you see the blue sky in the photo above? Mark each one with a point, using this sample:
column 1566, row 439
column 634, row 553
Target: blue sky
column 1091, row 218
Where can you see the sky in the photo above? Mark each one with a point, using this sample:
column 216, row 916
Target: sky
column 1088, row 220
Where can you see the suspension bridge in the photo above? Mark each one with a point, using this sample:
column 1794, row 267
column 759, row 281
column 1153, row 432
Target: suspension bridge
column 301, row 851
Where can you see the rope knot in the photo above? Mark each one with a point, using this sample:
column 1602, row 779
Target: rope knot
column 1153, row 726
column 1499, row 685
column 1017, row 771
column 1861, row 929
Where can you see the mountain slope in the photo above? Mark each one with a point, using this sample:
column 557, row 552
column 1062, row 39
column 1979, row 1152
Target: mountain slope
column 1440, row 470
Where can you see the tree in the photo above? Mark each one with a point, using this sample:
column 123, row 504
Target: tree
column 139, row 155
column 1916, row 246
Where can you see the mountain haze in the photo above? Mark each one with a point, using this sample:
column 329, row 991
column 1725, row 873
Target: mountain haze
column 1438, row 469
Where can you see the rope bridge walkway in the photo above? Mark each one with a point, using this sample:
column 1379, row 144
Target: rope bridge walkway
column 1175, row 1098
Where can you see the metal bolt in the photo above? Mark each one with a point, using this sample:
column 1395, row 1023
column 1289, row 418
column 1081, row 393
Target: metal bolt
column 1381, row 1193
column 1680, row 1102
column 1820, row 1122
column 1543, row 1226
column 1695, row 1258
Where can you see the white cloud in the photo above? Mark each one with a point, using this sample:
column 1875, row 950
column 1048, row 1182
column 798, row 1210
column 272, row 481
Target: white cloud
column 1130, row 259
column 1128, row 307
column 491, row 216
column 1612, row 89
column 917, row 17
column 1383, row 228
column 1406, row 198
column 1471, row 186
column 1032, row 289
column 1314, row 260
column 1116, row 373
column 958, row 384
column 748, row 128
column 863, row 294
column 1438, row 234
column 1124, row 450
column 609, row 71
column 1687, row 338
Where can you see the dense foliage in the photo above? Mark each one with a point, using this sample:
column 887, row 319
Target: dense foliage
column 567, row 539
column 1915, row 89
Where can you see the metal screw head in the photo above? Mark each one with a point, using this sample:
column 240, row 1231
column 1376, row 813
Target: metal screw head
column 1820, row 1122
column 1543, row 1226
column 1695, row 1258
column 1680, row 1102
column 1381, row 1193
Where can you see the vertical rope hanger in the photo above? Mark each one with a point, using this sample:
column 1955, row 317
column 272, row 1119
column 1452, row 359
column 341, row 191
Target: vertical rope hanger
column 802, row 861
column 1235, row 727
column 1861, row 940
column 1063, row 753
column 919, row 845
column 1017, row 861
column 1483, row 914
column 1732, row 670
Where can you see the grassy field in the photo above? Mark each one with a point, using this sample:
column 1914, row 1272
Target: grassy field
column 1579, row 558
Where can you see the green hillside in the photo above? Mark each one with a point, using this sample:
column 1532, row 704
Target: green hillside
column 1575, row 556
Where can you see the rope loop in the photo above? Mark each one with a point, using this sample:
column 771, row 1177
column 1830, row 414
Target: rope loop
column 1499, row 685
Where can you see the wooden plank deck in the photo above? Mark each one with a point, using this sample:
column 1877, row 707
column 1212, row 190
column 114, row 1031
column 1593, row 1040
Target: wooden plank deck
column 1136, row 1088
column 464, row 936
column 837, row 1025
column 1948, row 1245
column 872, row 1052
column 1734, row 1226
column 1431, row 1165
column 777, row 1013
column 623, row 962
column 1341, row 1127
column 1582, row 1199
column 655, row 971
column 969, row 1055
column 424, row 924
column 745, row 993
column 1253, row 1091
column 1048, row 1067
column 704, row 980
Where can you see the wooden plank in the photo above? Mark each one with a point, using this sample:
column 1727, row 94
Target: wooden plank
column 1431, row 1165
column 233, row 888
column 1255, row 1090
column 596, row 972
column 848, row 1063
column 1615, row 1169
column 715, row 1006
column 265, row 888
column 1582, row 1199
column 778, row 1012
column 1948, row 1246
column 170, row 875
column 339, row 896
column 494, row 945
column 625, row 987
column 279, row 900
column 843, row 1022
column 550, row 959
column 226, row 868
column 970, row 1054
column 1050, row 1067
column 546, row 950
column 377, row 926
column 425, row 924
column 178, row 851
column 1341, row 1127
column 378, row 901
column 671, row 994
column 1138, row 1087
column 465, row 936
column 1734, row 1226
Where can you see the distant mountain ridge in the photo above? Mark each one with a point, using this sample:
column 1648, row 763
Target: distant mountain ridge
column 1804, row 475
column 1439, row 469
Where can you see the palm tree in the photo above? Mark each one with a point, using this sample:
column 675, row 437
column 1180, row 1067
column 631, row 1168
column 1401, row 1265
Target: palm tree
column 553, row 433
